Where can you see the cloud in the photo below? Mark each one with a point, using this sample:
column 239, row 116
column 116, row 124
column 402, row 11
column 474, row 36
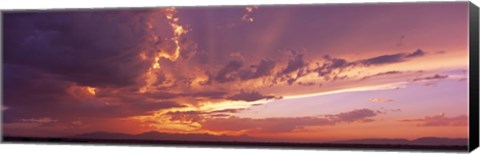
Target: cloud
column 434, row 77
column 229, row 71
column 354, row 115
column 202, row 94
column 40, row 120
column 392, row 58
column 235, row 110
column 50, row 58
column 439, row 120
column 381, row 74
column 285, row 124
column 235, row 70
column 332, row 67
column 296, row 68
column 206, row 94
column 417, row 53
column 163, row 95
column 326, row 70
column 250, row 96
column 185, row 116
column 295, row 63
column 30, row 89
column 264, row 68
column 380, row 100
column 79, row 47
column 384, row 59
column 306, row 83
column 197, row 116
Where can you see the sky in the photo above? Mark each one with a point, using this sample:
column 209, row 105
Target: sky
column 293, row 73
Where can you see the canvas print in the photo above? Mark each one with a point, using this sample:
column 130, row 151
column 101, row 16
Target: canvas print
column 350, row 75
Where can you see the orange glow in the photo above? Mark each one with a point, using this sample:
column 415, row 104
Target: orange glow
column 82, row 92
column 165, row 124
column 178, row 32
column 91, row 90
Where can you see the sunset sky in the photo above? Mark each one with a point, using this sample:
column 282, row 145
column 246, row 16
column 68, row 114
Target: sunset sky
column 294, row 73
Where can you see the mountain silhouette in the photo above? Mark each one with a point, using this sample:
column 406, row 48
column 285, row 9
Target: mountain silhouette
column 153, row 135
column 161, row 138
column 419, row 141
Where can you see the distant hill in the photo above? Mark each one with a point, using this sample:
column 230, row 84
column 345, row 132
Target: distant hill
column 419, row 141
column 153, row 135
column 159, row 138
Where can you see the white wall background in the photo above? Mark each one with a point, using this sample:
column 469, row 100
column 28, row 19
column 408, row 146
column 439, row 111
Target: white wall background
column 82, row 149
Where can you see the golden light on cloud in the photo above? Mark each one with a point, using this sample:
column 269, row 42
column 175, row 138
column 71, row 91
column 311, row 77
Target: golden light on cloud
column 163, row 121
column 91, row 90
column 166, row 124
column 215, row 106
column 82, row 92
column 178, row 32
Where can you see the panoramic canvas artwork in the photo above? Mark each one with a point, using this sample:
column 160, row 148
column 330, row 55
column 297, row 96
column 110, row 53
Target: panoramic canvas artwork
column 380, row 75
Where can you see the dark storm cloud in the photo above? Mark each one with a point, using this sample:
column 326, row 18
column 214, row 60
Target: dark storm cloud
column 28, row 90
column 90, row 48
column 250, row 96
column 34, row 94
column 48, row 53
column 393, row 58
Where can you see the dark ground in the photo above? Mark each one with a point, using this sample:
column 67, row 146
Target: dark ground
column 341, row 146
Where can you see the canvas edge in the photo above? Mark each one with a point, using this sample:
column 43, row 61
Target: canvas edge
column 473, row 77
column 473, row 87
column 1, row 77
